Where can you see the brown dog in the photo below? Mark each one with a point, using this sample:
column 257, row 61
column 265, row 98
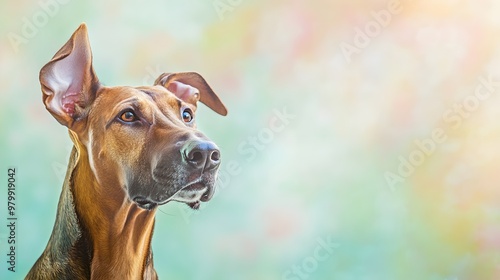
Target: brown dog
column 134, row 148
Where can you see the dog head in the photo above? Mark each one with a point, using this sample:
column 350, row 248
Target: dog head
column 141, row 141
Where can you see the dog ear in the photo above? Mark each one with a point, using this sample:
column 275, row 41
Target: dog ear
column 68, row 80
column 191, row 87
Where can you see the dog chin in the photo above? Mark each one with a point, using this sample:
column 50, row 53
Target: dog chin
column 193, row 194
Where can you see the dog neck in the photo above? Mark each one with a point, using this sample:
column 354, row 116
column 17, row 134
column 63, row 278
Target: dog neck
column 98, row 233
column 119, row 230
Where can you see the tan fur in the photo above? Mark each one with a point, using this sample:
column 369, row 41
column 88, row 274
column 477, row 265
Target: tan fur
column 119, row 171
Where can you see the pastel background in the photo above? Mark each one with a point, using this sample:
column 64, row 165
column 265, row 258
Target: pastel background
column 367, row 84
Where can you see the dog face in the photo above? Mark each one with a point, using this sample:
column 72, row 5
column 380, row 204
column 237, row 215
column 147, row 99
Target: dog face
column 142, row 140
column 148, row 138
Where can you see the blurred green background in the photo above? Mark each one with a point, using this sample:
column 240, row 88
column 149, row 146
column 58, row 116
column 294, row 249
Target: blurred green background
column 351, row 186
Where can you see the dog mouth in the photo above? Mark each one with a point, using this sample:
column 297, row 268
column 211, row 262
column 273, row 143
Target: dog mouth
column 192, row 194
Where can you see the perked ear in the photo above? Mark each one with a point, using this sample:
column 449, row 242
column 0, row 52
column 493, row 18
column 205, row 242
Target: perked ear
column 68, row 80
column 191, row 87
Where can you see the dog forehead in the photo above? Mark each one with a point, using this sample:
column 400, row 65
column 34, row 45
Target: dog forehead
column 110, row 96
column 159, row 94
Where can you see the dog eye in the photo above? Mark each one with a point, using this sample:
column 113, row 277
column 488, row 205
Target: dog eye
column 128, row 116
column 187, row 115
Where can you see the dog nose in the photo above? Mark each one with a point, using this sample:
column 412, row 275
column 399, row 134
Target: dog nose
column 202, row 154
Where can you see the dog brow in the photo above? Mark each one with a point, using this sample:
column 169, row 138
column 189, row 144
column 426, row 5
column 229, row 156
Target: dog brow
column 132, row 100
column 147, row 92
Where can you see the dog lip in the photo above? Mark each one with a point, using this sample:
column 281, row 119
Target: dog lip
column 144, row 203
column 208, row 193
column 199, row 185
column 195, row 186
column 193, row 193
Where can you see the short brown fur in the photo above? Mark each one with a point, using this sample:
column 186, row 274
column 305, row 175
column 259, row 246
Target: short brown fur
column 101, row 232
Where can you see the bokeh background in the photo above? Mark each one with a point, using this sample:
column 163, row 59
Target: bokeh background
column 358, row 104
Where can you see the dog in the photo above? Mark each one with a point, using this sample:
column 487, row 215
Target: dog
column 135, row 148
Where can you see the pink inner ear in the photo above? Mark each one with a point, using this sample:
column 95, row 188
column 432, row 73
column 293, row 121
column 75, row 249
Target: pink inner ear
column 183, row 91
column 68, row 102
